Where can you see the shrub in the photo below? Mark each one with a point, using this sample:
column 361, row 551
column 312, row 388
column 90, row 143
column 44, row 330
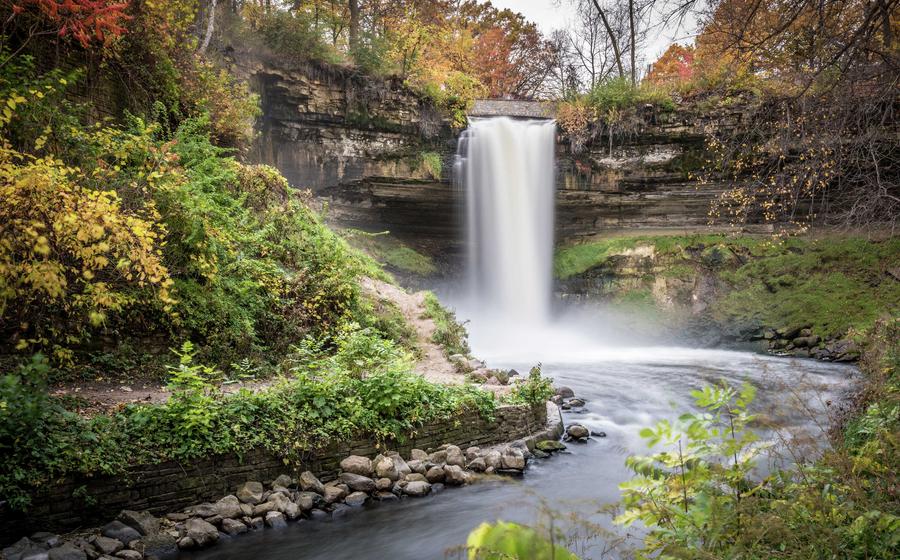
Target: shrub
column 430, row 163
column 450, row 334
column 537, row 389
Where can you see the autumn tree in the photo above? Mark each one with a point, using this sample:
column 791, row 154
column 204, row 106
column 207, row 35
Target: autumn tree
column 675, row 65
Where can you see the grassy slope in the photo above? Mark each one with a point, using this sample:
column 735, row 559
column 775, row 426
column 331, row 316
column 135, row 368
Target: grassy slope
column 833, row 284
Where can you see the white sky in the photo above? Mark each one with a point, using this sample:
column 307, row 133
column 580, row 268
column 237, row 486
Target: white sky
column 557, row 14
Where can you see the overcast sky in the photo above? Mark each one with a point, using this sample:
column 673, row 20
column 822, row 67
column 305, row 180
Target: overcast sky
column 558, row 14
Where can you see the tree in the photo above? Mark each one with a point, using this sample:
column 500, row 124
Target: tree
column 673, row 66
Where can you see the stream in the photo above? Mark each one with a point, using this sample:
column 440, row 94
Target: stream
column 626, row 389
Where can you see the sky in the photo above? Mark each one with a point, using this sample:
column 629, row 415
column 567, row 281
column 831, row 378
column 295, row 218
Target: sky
column 557, row 14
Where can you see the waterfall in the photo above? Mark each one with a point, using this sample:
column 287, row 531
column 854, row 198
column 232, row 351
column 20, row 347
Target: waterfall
column 506, row 167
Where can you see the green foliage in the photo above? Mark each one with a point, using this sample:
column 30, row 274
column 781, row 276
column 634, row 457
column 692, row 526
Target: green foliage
column 618, row 94
column 511, row 541
column 450, row 334
column 390, row 251
column 292, row 34
column 536, row 390
column 430, row 163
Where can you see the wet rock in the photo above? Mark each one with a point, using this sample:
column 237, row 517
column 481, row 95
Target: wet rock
column 402, row 467
column 438, row 457
column 107, row 545
column 309, row 483
column 333, row 494
column 340, row 510
column 556, row 399
column 512, row 459
column 22, row 546
column 120, row 531
column 477, row 464
column 233, row 527
column 357, row 482
column 202, row 533
column 66, row 551
column 291, row 511
column 454, row 475
column 549, row 446
column 598, row 433
column 385, row 468
column 250, row 492
column 160, row 546
column 565, row 392
column 417, row 488
column 473, row 453
column 49, row 540
column 493, row 460
column 256, row 523
column 229, row 507
column 275, row 520
column 540, row 454
column 576, row 403
column 385, row 496
column 356, row 499
column 186, row 543
column 283, row 481
column 417, row 466
column 577, row 432
column 384, row 484
column 356, row 464
column 435, row 474
column 418, row 455
column 142, row 521
column 318, row 515
column 455, row 456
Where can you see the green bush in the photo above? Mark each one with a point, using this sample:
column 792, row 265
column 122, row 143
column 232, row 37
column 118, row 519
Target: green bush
column 537, row 389
column 448, row 333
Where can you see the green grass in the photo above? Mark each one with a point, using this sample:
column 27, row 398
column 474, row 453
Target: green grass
column 449, row 333
column 431, row 164
column 388, row 250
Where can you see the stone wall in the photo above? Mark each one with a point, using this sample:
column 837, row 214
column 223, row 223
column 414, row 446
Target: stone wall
column 84, row 501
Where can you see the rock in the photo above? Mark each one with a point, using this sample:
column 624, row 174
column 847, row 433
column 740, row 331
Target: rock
column 333, row 494
column 418, row 455
column 435, row 474
column 257, row 523
column 460, row 362
column 412, row 477
column 264, row 508
column 215, row 520
column 203, row 533
column 357, row 464
column 283, row 481
column 477, row 464
column 291, row 511
column 806, row 341
column 455, row 456
column 309, row 483
column 233, row 527
column 250, row 492
column 438, row 457
column 275, row 520
column 160, row 546
column 186, row 543
column 384, row 484
column 549, row 446
column 340, row 510
column 229, row 507
column 67, row 551
column 577, row 432
column 472, row 453
column 107, row 545
column 540, row 454
column 598, row 434
column 512, row 459
column 565, row 392
column 480, row 375
column 141, row 521
column 356, row 499
column 417, row 488
column 18, row 549
column 177, row 517
column 129, row 555
column 120, row 531
column 454, row 475
column 492, row 460
column 357, row 482
column 49, row 540
column 385, row 468
column 246, row 510
column 417, row 466
column 385, row 496
column 437, row 487
column 318, row 514
column 556, row 399
column 401, row 465
column 576, row 402
column 309, row 500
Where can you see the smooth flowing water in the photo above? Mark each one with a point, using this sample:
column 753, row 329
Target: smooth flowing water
column 507, row 169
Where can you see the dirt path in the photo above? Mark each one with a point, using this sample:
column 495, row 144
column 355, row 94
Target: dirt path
column 99, row 395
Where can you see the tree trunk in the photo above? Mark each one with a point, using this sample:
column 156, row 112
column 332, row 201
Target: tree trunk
column 612, row 39
column 633, row 41
column 354, row 24
column 209, row 26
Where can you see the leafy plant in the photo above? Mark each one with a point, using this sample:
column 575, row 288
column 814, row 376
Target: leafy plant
column 510, row 541
column 536, row 390
column 449, row 333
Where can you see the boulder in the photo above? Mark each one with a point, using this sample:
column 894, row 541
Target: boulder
column 435, row 474
column 455, row 456
column 356, row 499
column 460, row 362
column 385, row 468
column 807, row 341
column 186, row 543
column 384, row 484
column 357, row 464
column 283, row 481
column 49, row 540
column 512, row 459
column 385, row 496
column 477, row 464
column 120, row 531
column 401, row 465
column 577, row 432
column 107, row 545
column 275, row 520
column 129, row 555
column 309, row 483
column 291, row 511
column 418, row 455
column 67, row 551
column 23, row 546
column 333, row 494
column 493, row 460
column 576, row 403
column 308, row 500
column 141, row 521
column 233, row 527
column 438, row 457
column 318, row 514
column 411, row 477
column 565, row 392
column 160, row 546
column 357, row 482
column 201, row 532
column 256, row 523
column 550, row 445
column 454, row 475
column 229, row 507
column 417, row 466
column 417, row 488
column 250, row 492
column 472, row 453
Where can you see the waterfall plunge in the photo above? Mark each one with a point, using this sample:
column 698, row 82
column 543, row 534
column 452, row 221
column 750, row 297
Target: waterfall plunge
column 507, row 169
